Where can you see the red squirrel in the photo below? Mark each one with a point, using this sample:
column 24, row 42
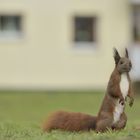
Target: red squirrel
column 111, row 114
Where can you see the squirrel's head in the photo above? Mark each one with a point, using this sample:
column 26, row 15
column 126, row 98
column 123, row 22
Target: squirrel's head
column 123, row 64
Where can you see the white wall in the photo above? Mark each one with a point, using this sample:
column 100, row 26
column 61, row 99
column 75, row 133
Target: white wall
column 46, row 58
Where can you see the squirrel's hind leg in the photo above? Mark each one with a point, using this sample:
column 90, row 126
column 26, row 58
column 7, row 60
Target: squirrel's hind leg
column 104, row 124
column 121, row 123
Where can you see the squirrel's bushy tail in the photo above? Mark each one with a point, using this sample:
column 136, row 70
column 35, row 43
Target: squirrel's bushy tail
column 70, row 121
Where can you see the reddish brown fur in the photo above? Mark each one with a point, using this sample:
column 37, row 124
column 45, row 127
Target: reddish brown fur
column 70, row 121
column 105, row 115
column 104, row 120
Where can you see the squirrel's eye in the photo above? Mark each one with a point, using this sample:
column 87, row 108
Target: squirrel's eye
column 121, row 62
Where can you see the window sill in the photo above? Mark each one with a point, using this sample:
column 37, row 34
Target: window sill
column 84, row 48
column 11, row 38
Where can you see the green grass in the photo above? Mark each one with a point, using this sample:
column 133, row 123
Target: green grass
column 22, row 113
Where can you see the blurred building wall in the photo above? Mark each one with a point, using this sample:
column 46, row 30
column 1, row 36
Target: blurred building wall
column 45, row 56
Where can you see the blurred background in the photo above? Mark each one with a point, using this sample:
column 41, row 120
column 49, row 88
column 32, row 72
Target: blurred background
column 65, row 45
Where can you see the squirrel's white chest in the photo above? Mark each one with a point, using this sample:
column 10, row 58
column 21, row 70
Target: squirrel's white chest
column 124, row 87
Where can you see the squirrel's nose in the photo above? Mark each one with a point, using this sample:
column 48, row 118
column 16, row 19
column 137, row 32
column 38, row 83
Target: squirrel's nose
column 130, row 64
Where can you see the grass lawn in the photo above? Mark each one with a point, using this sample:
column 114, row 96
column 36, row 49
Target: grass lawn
column 21, row 115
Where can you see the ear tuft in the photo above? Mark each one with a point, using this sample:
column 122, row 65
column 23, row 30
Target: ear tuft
column 116, row 56
column 126, row 53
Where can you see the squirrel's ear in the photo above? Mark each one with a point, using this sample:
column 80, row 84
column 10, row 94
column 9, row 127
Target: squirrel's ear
column 126, row 53
column 116, row 56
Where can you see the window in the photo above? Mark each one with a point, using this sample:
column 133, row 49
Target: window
column 10, row 26
column 136, row 23
column 84, row 29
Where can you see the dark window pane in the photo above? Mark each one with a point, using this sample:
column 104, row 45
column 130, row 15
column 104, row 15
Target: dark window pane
column 10, row 23
column 84, row 29
column 136, row 23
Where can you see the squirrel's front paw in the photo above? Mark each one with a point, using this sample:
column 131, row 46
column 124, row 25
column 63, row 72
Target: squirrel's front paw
column 122, row 101
column 131, row 102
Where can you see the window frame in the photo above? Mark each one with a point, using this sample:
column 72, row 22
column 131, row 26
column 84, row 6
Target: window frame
column 12, row 35
column 136, row 38
column 86, row 45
